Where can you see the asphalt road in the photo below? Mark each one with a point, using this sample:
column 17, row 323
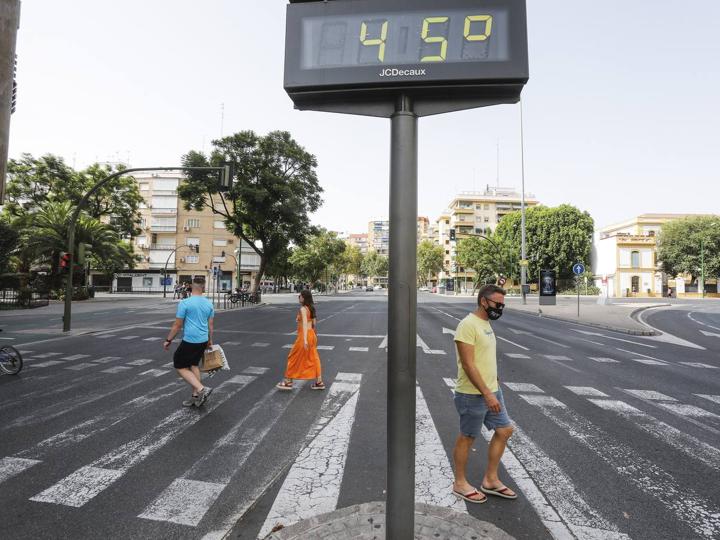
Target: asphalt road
column 618, row 436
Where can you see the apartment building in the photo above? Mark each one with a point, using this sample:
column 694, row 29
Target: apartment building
column 360, row 241
column 378, row 237
column 625, row 262
column 189, row 242
column 473, row 213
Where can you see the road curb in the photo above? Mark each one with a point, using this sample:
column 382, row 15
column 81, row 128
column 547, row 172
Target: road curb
column 628, row 331
column 368, row 521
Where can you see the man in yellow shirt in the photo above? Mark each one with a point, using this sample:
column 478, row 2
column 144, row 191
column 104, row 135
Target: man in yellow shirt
column 478, row 397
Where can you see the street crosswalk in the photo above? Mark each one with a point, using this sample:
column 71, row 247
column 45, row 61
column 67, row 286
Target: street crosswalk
column 311, row 476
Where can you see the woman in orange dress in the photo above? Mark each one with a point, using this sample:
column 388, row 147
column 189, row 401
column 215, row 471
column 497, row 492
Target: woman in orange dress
column 304, row 361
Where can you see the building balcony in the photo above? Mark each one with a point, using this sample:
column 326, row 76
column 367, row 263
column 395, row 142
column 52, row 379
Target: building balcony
column 162, row 247
column 463, row 210
column 164, row 211
column 165, row 192
column 636, row 239
column 163, row 228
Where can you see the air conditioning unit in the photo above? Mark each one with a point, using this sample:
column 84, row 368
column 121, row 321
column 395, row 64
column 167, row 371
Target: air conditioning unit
column 186, row 228
column 231, row 241
column 182, row 259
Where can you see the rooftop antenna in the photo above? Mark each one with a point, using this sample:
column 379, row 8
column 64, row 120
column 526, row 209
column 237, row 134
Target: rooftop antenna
column 222, row 119
column 497, row 177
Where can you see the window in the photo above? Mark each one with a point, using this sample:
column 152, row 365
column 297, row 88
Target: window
column 486, row 219
column 192, row 241
column 141, row 240
column 447, row 252
column 487, row 207
column 147, row 282
column 635, row 259
column 447, row 222
column 219, row 224
column 164, row 203
column 447, row 242
column 143, row 223
column 220, row 243
column 192, row 259
column 192, row 223
column 635, row 284
column 165, row 184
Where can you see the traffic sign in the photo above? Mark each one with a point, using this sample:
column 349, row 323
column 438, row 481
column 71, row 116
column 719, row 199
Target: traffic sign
column 578, row 269
column 524, row 262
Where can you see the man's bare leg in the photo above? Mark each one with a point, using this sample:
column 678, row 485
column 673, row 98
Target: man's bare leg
column 460, row 457
column 497, row 446
column 189, row 376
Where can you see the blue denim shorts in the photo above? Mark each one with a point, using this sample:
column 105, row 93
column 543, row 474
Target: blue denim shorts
column 474, row 413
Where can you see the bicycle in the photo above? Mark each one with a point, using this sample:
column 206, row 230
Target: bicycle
column 11, row 361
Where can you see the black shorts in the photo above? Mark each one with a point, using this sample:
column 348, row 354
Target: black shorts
column 188, row 354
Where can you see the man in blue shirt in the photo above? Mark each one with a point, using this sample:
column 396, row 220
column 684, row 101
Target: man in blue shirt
column 195, row 318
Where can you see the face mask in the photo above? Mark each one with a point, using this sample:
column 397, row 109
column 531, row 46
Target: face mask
column 494, row 313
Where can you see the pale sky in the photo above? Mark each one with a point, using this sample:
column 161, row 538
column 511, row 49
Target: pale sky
column 621, row 111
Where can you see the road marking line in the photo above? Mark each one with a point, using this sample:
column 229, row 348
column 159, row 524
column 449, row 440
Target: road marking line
column 349, row 377
column 76, row 357
column 325, row 347
column 604, row 360
column 8, row 339
column 513, row 343
column 79, row 367
column 231, row 343
column 312, row 486
column 716, row 399
column 46, row 364
column 690, row 508
column 12, row 466
column 649, row 394
column 152, row 339
column 556, row 357
column 106, row 336
column 666, row 433
column 436, row 351
column 86, row 483
column 30, row 352
column 260, row 345
column 698, row 365
column 383, row 344
column 523, row 387
column 210, row 474
column 688, row 410
column 517, row 355
column 252, row 370
column 526, row 333
column 288, row 346
column 359, row 349
column 155, row 372
column 129, row 337
column 140, row 362
column 169, row 364
column 106, row 359
column 586, row 391
column 116, row 369
column 639, row 354
column 649, row 362
column 43, row 355
column 586, row 332
column 433, row 473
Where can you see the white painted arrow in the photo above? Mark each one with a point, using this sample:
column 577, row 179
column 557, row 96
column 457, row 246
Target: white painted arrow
column 705, row 333
column 448, row 331
column 588, row 333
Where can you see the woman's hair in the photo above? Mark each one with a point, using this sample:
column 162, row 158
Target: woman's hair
column 308, row 302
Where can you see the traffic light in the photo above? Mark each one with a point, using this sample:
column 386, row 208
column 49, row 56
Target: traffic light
column 227, row 175
column 82, row 252
column 452, row 235
column 64, row 261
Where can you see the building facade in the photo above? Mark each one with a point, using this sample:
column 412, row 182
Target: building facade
column 473, row 213
column 188, row 243
column 625, row 261
column 378, row 237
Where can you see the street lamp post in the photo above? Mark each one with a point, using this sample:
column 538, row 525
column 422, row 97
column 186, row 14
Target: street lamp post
column 523, row 268
column 702, row 265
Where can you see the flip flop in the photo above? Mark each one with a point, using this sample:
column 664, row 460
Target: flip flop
column 498, row 492
column 469, row 494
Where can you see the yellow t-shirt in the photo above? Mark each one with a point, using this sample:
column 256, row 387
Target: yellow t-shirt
column 478, row 333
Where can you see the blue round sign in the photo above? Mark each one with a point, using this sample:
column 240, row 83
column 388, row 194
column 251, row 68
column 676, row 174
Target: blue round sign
column 578, row 268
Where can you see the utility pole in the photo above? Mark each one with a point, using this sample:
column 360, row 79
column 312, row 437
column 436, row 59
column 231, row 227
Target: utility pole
column 523, row 254
column 702, row 266
column 9, row 23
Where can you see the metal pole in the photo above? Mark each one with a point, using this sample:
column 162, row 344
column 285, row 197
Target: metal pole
column 523, row 268
column 67, row 314
column 702, row 265
column 577, row 281
column 9, row 22
column 402, row 324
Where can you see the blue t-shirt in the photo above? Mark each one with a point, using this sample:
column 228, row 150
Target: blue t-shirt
column 196, row 311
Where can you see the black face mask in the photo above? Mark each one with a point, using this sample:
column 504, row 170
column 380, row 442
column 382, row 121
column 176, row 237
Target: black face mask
column 494, row 313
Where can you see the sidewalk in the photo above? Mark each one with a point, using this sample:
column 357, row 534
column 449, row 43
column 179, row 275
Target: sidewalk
column 615, row 315
column 367, row 521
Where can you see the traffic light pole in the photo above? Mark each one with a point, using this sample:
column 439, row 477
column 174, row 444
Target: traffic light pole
column 523, row 268
column 67, row 315
column 9, row 22
column 402, row 324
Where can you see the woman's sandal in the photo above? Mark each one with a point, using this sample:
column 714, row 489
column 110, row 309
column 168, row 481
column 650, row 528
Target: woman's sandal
column 318, row 386
column 284, row 385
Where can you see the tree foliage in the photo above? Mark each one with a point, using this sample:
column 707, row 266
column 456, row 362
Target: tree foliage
column 556, row 239
column 35, row 182
column 487, row 258
column 275, row 190
column 430, row 260
column 352, row 261
column 319, row 255
column 679, row 246
column 9, row 238
column 375, row 265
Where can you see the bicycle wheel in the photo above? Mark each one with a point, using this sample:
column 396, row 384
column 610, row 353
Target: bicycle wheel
column 10, row 360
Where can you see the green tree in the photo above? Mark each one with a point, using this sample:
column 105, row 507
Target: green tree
column 556, row 238
column 275, row 190
column 430, row 260
column 316, row 258
column 35, row 182
column 115, row 260
column 9, row 238
column 487, row 258
column 352, row 261
column 375, row 265
column 679, row 246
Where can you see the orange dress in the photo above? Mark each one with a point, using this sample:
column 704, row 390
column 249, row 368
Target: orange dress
column 304, row 363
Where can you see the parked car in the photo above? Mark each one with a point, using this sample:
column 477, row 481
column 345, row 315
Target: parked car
column 368, row 288
column 424, row 289
column 378, row 287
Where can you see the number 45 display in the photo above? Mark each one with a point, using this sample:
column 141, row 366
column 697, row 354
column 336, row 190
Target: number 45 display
column 428, row 22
